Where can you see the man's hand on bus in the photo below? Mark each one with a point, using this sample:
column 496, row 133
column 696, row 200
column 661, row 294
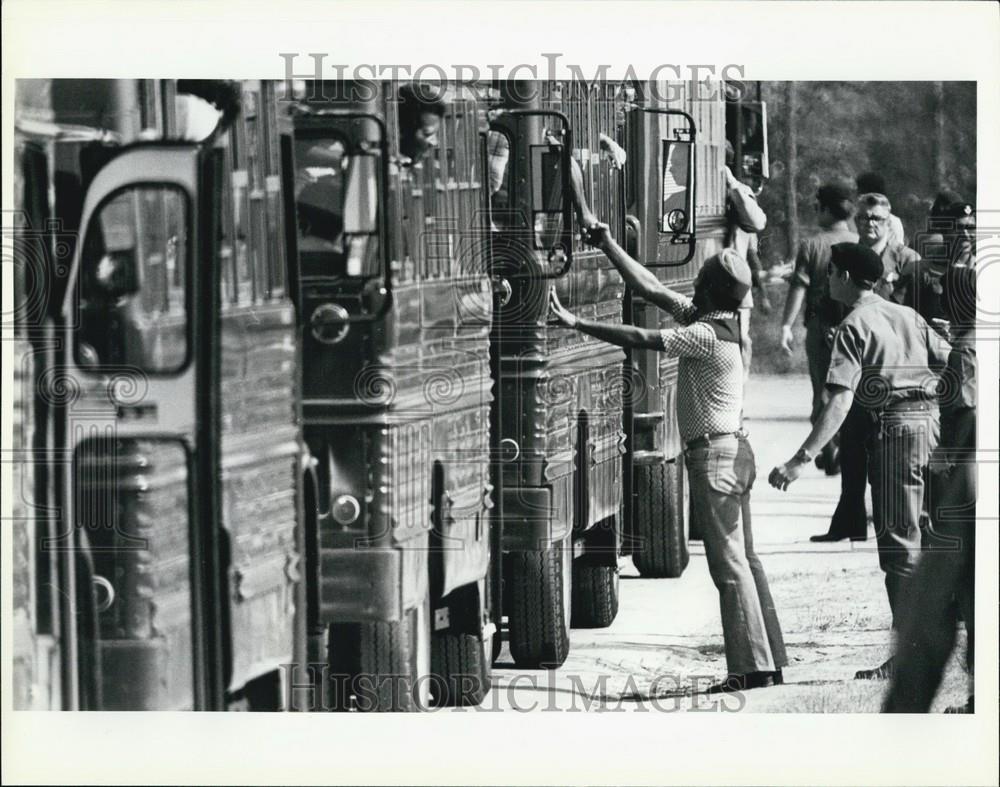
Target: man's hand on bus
column 597, row 234
column 564, row 316
column 616, row 154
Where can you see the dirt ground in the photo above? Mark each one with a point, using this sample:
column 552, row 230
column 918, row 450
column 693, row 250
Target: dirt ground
column 666, row 642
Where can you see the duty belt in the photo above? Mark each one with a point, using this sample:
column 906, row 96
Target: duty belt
column 911, row 405
column 705, row 439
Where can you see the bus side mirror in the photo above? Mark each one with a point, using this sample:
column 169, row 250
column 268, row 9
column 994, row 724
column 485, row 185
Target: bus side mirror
column 361, row 199
column 677, row 187
column 552, row 205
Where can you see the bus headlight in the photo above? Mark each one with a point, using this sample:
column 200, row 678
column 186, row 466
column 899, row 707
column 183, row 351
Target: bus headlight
column 346, row 510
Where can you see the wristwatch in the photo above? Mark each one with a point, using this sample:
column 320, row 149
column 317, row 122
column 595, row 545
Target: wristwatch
column 803, row 456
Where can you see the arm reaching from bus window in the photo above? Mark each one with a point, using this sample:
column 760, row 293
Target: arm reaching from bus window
column 749, row 216
column 616, row 154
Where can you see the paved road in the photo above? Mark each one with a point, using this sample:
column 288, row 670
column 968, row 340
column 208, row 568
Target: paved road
column 667, row 638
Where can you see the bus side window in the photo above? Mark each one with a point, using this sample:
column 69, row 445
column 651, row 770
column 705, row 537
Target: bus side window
column 132, row 291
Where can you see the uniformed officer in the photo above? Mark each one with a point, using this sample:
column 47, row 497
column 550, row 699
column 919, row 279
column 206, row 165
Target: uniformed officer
column 888, row 358
column 946, row 572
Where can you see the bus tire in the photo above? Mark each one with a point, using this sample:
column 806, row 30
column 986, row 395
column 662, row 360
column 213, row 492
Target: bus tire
column 540, row 606
column 595, row 596
column 383, row 666
column 659, row 513
column 462, row 670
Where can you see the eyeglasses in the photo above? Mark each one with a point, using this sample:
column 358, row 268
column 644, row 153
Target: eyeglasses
column 868, row 219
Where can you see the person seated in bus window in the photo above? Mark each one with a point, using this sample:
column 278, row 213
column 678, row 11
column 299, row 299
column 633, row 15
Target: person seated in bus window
column 421, row 108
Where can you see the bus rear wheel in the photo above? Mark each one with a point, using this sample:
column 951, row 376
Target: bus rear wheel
column 540, row 605
column 461, row 666
column 595, row 596
column 659, row 518
column 382, row 666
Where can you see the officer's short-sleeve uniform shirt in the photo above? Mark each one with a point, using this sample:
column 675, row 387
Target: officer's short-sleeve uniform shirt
column 886, row 353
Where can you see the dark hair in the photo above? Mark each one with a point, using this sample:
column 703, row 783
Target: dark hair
column 870, row 182
column 414, row 100
column 836, row 199
column 944, row 200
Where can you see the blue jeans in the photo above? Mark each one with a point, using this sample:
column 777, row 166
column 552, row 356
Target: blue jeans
column 721, row 475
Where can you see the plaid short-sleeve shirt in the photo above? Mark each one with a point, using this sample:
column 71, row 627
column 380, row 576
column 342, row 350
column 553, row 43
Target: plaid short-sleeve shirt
column 709, row 372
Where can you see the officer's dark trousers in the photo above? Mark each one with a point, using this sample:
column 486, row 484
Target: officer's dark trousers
column 946, row 572
column 850, row 519
column 899, row 449
column 818, row 357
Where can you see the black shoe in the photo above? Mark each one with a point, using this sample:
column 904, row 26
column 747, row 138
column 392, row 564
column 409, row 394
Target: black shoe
column 883, row 671
column 751, row 680
column 826, row 538
column 777, row 677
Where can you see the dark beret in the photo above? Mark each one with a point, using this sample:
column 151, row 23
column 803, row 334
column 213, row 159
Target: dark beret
column 960, row 209
column 859, row 261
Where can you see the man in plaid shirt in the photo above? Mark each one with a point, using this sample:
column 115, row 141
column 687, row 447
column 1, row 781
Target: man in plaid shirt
column 720, row 461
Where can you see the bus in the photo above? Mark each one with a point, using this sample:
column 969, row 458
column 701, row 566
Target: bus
column 294, row 429
column 159, row 548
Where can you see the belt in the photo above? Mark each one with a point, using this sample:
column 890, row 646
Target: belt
column 705, row 439
column 905, row 405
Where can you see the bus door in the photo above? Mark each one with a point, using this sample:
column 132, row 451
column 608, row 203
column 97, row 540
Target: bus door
column 135, row 387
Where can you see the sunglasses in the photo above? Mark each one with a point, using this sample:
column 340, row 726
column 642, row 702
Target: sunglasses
column 869, row 219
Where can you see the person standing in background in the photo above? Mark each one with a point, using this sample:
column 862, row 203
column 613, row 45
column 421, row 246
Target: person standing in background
column 873, row 183
column 809, row 284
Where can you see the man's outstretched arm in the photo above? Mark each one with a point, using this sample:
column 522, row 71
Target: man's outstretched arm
column 827, row 424
column 640, row 280
column 620, row 335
